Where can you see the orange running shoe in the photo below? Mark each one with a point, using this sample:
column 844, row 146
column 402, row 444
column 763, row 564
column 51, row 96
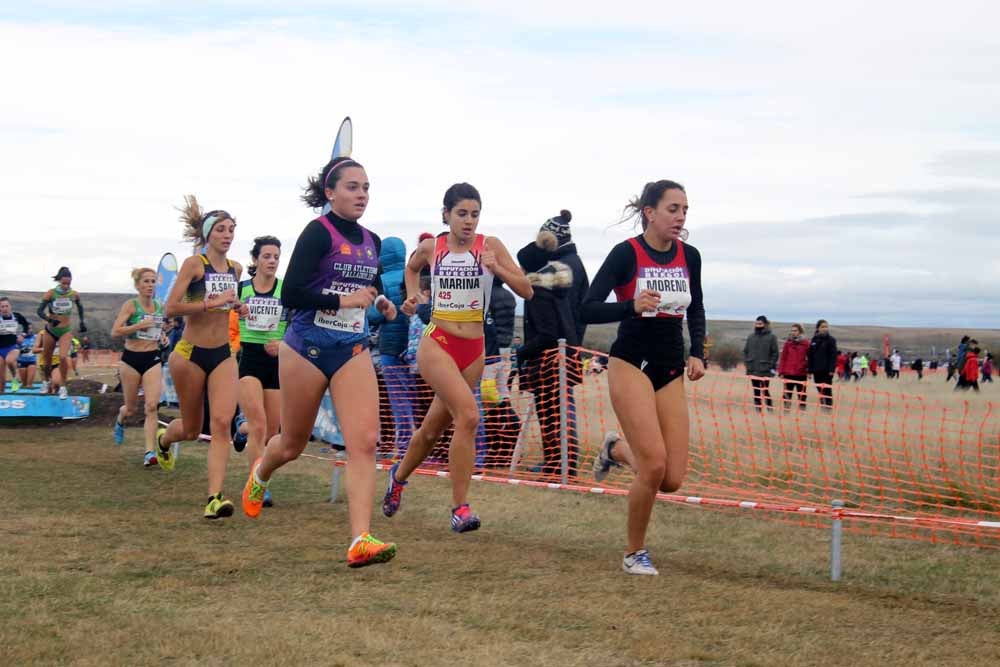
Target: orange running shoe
column 253, row 493
column 369, row 550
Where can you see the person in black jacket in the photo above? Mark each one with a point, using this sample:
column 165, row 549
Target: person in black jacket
column 823, row 362
column 500, row 420
column 565, row 252
column 547, row 318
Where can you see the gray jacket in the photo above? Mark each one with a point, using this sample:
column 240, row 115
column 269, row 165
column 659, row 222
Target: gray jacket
column 760, row 354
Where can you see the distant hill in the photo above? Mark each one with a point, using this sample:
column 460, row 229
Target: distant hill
column 101, row 308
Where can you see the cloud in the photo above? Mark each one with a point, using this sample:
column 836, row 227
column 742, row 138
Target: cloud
column 809, row 142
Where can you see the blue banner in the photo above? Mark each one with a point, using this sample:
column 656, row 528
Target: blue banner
column 26, row 406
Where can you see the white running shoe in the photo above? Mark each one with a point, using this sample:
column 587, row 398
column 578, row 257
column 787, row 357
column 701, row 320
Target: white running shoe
column 638, row 563
column 45, row 388
column 603, row 463
column 63, row 394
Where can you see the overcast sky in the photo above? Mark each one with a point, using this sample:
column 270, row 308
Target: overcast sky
column 840, row 163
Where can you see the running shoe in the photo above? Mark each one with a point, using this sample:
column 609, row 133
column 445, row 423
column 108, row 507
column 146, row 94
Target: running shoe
column 119, row 432
column 166, row 459
column 240, row 439
column 45, row 388
column 393, row 493
column 218, row 507
column 253, row 493
column 15, row 385
column 369, row 550
column 63, row 394
column 638, row 563
column 149, row 460
column 268, row 501
column 603, row 463
column 463, row 520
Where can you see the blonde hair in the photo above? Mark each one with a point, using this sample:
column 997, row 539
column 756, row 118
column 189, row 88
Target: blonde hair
column 137, row 274
column 191, row 215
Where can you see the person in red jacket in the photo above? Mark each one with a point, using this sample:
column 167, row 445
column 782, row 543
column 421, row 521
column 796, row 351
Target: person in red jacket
column 793, row 367
column 970, row 371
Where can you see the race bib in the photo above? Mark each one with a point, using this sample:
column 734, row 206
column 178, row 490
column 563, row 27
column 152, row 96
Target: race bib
column 459, row 289
column 265, row 313
column 8, row 327
column 346, row 320
column 62, row 306
column 153, row 332
column 673, row 285
column 217, row 283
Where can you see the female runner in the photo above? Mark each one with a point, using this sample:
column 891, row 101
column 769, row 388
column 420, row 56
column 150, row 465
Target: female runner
column 657, row 279
column 204, row 293
column 450, row 356
column 140, row 322
column 59, row 301
column 260, row 332
column 333, row 276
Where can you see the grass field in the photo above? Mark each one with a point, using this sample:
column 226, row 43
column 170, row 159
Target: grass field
column 104, row 562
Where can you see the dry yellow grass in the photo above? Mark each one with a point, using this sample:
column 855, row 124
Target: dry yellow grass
column 102, row 562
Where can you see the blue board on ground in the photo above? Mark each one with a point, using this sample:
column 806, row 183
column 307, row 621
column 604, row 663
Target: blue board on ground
column 343, row 144
column 166, row 275
column 32, row 406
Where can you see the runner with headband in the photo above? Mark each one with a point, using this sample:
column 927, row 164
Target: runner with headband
column 140, row 322
column 332, row 278
column 260, row 332
column 450, row 356
column 204, row 293
column 656, row 278
column 56, row 309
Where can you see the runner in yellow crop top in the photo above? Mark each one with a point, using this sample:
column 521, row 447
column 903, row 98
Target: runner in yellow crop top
column 204, row 293
column 450, row 356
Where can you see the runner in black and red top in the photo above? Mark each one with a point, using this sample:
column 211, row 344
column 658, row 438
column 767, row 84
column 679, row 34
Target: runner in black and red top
column 657, row 280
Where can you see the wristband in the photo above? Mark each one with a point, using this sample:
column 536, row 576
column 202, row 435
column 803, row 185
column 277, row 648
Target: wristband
column 379, row 299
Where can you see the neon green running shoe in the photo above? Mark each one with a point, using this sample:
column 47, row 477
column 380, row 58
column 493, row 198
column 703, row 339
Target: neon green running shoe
column 219, row 507
column 253, row 493
column 165, row 458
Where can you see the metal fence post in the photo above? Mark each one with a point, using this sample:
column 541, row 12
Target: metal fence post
column 338, row 471
column 836, row 531
column 563, row 414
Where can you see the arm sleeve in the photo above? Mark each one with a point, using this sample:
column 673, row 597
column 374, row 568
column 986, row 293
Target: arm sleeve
column 41, row 310
column 79, row 308
column 313, row 244
column 25, row 325
column 616, row 270
column 696, row 311
column 377, row 283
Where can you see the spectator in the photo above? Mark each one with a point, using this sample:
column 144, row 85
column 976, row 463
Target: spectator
column 963, row 346
column 760, row 355
column 548, row 316
column 918, row 367
column 501, row 422
column 841, row 366
column 873, row 366
column 793, row 367
column 988, row 368
column 392, row 341
column 823, row 362
column 970, row 371
column 856, row 366
column 566, row 253
column 864, row 364
column 897, row 364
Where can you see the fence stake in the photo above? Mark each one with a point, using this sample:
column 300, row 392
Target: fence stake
column 836, row 531
column 338, row 470
column 563, row 413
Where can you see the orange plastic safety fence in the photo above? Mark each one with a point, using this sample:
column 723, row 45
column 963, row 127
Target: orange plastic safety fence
column 906, row 465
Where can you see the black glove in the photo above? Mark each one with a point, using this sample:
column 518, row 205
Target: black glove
column 83, row 328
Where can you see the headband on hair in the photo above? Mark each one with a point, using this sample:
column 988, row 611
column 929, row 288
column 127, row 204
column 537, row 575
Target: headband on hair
column 348, row 162
column 209, row 221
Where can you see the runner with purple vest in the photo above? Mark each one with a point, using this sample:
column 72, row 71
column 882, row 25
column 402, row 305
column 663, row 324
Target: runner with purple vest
column 332, row 278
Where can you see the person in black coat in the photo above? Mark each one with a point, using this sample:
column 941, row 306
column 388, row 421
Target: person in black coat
column 548, row 316
column 823, row 362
